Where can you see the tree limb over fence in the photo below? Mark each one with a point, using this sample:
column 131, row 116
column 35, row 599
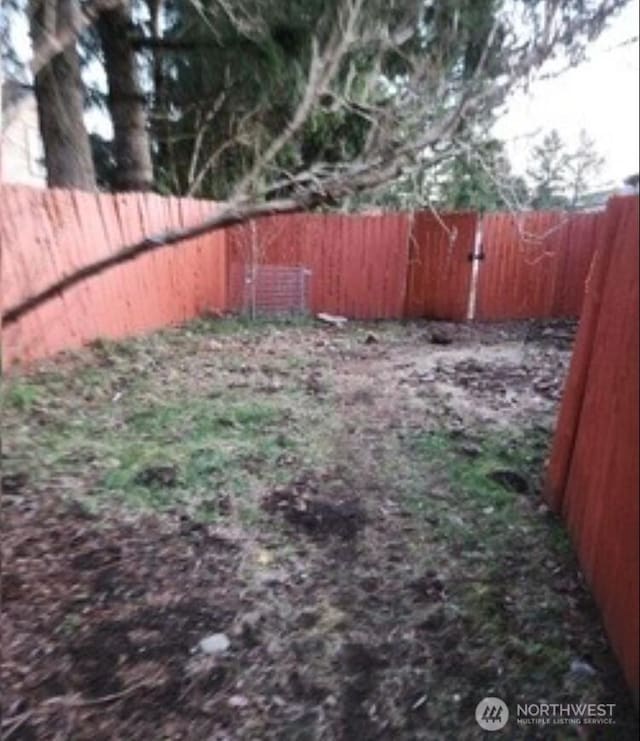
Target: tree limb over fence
column 415, row 105
column 227, row 217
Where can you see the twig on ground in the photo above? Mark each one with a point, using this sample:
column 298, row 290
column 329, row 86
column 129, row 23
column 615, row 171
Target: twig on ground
column 70, row 701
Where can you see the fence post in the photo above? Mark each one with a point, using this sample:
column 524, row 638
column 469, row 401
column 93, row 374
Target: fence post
column 476, row 258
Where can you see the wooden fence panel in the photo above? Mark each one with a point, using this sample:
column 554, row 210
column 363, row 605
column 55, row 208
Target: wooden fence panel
column 593, row 477
column 371, row 282
column 535, row 264
column 363, row 266
column 576, row 253
column 46, row 234
column 440, row 267
column 358, row 264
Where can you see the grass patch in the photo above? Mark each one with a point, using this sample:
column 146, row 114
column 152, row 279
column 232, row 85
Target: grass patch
column 234, row 325
column 504, row 545
column 213, row 450
column 21, row 396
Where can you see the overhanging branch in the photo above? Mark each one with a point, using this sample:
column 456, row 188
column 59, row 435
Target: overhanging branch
column 227, row 217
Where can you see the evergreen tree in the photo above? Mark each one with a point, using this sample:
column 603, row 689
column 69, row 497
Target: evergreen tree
column 548, row 172
column 583, row 167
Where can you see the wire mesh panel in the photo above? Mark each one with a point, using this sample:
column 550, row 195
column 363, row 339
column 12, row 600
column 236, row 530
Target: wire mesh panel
column 271, row 290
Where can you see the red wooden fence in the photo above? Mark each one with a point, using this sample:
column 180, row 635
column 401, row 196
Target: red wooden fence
column 365, row 267
column 357, row 264
column 45, row 234
column 535, row 264
column 439, row 277
column 593, row 476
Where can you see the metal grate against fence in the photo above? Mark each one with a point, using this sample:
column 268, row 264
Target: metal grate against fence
column 272, row 290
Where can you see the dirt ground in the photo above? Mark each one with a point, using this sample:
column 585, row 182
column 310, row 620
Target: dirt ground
column 351, row 516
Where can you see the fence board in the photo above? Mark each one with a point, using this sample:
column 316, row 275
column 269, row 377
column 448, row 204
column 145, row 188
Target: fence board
column 358, row 264
column 46, row 234
column 364, row 266
column 439, row 276
column 535, row 264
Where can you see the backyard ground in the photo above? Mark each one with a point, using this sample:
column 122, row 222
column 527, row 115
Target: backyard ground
column 351, row 517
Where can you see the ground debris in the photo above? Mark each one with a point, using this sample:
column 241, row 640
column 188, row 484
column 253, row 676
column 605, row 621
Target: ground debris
column 327, row 507
column 510, row 480
column 440, row 338
column 332, row 319
column 303, row 506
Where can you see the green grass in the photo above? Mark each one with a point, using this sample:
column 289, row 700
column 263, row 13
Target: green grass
column 502, row 542
column 121, row 409
column 20, row 396
column 238, row 325
column 215, row 449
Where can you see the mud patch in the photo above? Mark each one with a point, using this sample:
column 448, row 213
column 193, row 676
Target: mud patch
column 158, row 476
column 510, row 480
column 302, row 505
column 103, row 657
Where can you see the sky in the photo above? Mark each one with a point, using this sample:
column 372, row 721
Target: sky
column 600, row 96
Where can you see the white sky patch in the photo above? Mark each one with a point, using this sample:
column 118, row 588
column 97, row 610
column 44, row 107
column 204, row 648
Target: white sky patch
column 600, row 96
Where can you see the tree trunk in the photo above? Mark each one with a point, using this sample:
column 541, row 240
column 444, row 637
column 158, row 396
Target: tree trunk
column 60, row 97
column 126, row 102
column 166, row 177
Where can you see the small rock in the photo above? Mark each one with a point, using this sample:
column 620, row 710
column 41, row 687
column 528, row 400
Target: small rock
column 371, row 339
column 217, row 643
column 237, row 701
column 582, row 668
column 264, row 557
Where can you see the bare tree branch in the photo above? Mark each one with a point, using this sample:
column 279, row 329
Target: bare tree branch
column 323, row 68
column 227, row 217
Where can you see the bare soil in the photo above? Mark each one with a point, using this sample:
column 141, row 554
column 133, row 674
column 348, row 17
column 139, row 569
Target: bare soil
column 357, row 510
